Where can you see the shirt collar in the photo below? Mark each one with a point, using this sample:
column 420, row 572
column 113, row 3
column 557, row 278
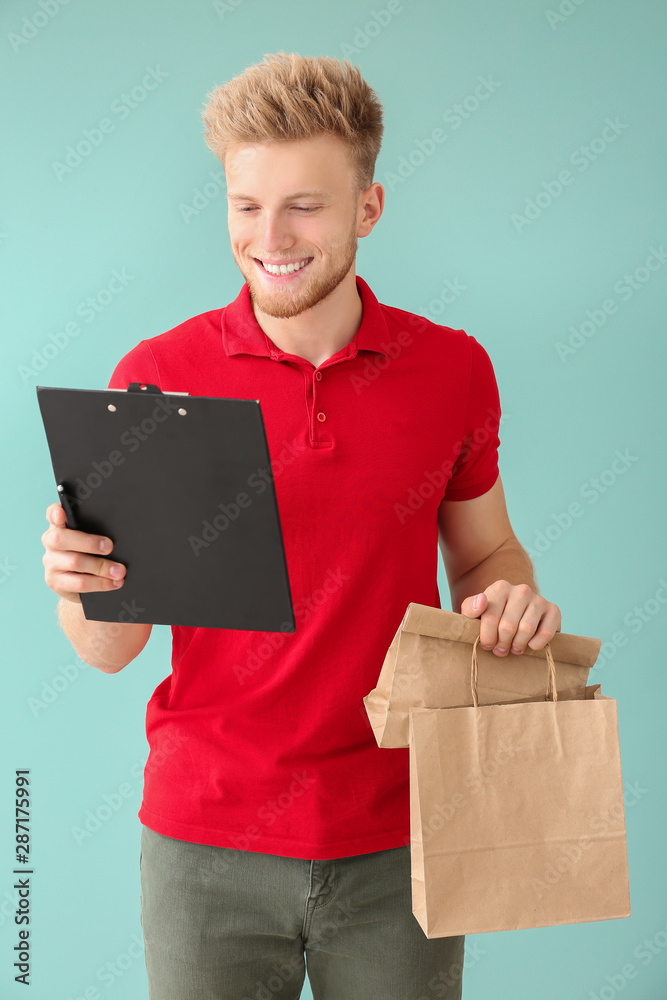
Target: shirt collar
column 242, row 334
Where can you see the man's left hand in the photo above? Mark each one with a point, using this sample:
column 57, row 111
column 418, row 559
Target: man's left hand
column 512, row 617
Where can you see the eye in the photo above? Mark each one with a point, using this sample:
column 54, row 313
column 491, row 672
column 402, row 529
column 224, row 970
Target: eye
column 299, row 208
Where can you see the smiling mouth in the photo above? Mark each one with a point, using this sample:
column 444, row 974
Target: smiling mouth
column 284, row 270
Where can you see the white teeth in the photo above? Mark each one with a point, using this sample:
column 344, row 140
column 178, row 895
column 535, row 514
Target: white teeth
column 285, row 268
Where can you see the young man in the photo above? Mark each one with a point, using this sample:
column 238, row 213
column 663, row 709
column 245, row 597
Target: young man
column 274, row 829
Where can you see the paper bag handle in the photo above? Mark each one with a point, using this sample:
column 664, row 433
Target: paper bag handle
column 551, row 681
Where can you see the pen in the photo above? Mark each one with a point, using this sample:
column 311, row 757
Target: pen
column 67, row 506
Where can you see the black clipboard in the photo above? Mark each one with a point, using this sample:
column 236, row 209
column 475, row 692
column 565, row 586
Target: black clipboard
column 183, row 486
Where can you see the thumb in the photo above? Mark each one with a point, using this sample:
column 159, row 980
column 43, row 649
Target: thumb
column 56, row 514
column 474, row 605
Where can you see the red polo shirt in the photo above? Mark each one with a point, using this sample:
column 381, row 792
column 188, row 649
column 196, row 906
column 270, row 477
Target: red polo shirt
column 260, row 740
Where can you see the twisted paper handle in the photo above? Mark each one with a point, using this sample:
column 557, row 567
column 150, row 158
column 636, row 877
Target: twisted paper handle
column 551, row 680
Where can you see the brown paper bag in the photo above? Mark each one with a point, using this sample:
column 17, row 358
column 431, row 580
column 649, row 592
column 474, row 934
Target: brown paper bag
column 427, row 665
column 516, row 813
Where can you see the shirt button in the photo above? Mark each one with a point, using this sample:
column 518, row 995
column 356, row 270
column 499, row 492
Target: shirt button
column 321, row 416
column 318, row 376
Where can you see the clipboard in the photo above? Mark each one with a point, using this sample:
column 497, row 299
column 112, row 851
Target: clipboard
column 183, row 486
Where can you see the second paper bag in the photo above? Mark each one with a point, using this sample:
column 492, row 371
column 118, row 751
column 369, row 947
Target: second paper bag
column 516, row 814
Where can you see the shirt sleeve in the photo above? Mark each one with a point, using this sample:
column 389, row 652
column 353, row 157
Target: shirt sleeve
column 138, row 365
column 476, row 467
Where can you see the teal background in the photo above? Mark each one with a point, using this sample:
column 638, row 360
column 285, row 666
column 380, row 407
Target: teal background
column 449, row 219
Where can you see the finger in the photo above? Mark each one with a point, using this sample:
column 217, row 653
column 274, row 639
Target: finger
column 55, row 514
column 549, row 625
column 528, row 626
column 80, row 583
column 59, row 561
column 496, row 595
column 71, row 539
column 507, row 611
column 474, row 606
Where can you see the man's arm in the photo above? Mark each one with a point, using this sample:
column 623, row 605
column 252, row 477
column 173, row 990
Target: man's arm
column 491, row 576
column 107, row 646
column 72, row 566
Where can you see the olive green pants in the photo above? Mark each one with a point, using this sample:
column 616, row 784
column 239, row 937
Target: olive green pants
column 224, row 924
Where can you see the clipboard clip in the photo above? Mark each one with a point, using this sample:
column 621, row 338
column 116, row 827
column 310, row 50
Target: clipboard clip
column 148, row 387
column 143, row 387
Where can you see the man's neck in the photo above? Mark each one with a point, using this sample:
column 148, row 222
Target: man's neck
column 320, row 332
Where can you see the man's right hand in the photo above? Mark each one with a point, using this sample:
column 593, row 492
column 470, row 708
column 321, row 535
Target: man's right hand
column 76, row 561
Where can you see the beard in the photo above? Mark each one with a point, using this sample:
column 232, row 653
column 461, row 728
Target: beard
column 282, row 302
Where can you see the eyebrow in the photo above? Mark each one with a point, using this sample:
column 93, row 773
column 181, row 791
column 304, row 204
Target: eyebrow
column 290, row 197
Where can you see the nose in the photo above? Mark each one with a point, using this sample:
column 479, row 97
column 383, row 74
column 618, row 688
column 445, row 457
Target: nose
column 275, row 232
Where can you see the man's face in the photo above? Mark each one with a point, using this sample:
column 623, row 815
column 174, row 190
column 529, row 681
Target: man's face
column 271, row 219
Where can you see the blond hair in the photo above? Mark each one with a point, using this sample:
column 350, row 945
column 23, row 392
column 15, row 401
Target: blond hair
column 289, row 97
